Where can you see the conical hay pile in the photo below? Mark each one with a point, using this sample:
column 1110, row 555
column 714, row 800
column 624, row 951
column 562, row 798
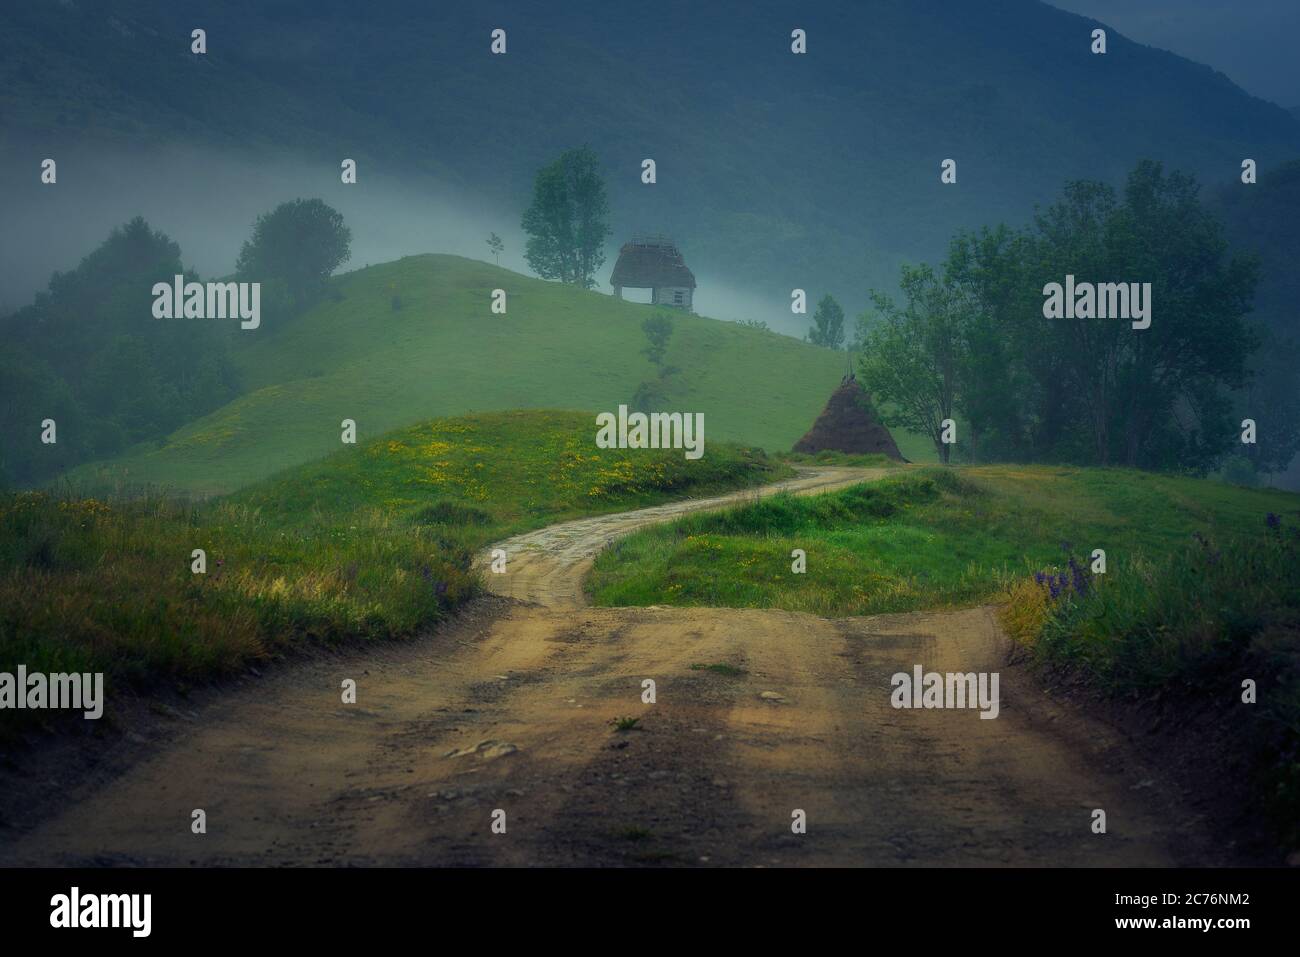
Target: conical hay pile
column 847, row 425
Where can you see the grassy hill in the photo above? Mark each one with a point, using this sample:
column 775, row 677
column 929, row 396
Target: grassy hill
column 444, row 353
column 374, row 542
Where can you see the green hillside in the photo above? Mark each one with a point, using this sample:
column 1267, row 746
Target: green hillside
column 444, row 353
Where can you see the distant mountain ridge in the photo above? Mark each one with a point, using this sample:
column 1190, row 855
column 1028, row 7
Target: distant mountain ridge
column 775, row 170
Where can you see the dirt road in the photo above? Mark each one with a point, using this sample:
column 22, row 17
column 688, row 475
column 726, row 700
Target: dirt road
column 510, row 709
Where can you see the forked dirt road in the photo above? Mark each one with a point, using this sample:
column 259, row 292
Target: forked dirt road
column 510, row 708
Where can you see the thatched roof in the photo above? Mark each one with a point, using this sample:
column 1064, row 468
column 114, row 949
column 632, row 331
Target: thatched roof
column 848, row 425
column 650, row 263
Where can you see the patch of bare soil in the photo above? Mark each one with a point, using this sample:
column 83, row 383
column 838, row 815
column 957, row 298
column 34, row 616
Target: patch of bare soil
column 1186, row 749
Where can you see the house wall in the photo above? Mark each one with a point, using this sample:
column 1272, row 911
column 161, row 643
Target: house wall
column 679, row 296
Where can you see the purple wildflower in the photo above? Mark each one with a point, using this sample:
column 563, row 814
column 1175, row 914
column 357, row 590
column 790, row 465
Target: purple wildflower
column 1078, row 579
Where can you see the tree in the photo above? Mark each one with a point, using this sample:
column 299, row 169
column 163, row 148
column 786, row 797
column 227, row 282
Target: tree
column 1262, row 219
column 566, row 223
column 996, row 392
column 30, row 392
column 1273, row 400
column 973, row 336
column 828, row 324
column 296, row 246
column 658, row 330
column 912, row 357
column 88, row 354
column 652, row 393
column 1155, row 397
column 497, row 246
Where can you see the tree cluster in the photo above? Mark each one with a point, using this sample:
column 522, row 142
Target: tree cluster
column 88, row 353
column 968, row 340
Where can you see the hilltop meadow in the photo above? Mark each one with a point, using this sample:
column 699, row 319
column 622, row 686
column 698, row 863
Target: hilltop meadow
column 403, row 342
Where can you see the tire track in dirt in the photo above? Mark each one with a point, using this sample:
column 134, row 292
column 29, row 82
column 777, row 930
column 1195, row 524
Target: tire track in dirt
column 510, row 707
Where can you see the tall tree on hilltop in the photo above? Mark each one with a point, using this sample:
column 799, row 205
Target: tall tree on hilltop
column 566, row 223
column 297, row 246
column 828, row 324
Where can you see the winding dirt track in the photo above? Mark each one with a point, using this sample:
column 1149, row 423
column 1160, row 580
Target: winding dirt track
column 510, row 708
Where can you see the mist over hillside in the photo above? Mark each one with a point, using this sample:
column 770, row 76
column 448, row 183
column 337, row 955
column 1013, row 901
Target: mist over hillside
column 774, row 171
column 207, row 201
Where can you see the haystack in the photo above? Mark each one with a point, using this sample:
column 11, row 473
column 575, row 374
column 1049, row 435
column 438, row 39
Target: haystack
column 847, row 424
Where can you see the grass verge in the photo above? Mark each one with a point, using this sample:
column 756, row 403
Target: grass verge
column 919, row 539
column 1210, row 633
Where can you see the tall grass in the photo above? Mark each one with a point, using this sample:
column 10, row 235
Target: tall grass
column 1193, row 626
column 89, row 585
column 372, row 543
